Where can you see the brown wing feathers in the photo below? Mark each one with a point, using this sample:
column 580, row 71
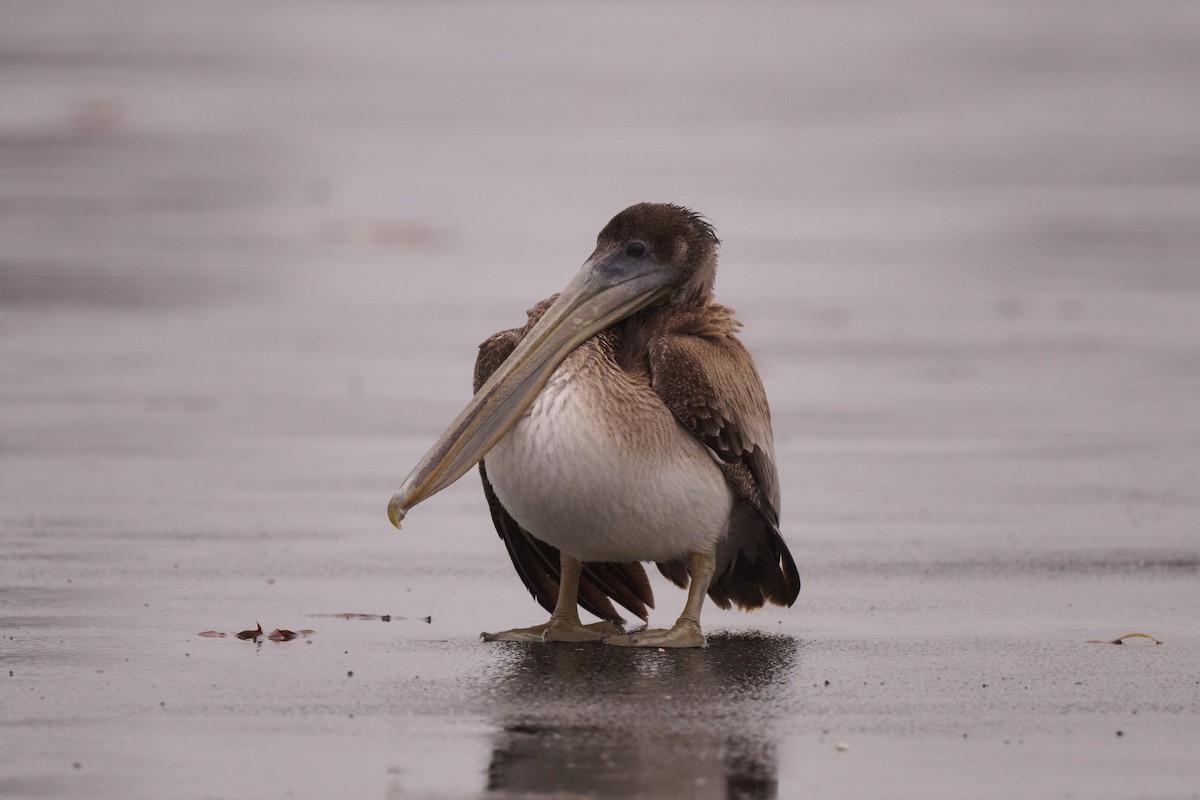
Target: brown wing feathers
column 707, row 378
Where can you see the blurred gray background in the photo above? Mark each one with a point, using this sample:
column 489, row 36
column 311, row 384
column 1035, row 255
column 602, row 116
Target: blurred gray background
column 247, row 251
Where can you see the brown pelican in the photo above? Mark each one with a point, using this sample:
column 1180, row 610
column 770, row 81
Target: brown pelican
column 624, row 422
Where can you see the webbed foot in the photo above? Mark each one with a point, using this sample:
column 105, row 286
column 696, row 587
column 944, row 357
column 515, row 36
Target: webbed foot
column 558, row 629
column 685, row 633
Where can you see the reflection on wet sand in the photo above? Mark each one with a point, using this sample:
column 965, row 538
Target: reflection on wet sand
column 611, row 722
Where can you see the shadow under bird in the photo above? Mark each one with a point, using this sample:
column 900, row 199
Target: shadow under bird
column 624, row 423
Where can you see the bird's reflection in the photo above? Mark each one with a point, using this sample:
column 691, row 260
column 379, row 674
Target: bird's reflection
column 608, row 722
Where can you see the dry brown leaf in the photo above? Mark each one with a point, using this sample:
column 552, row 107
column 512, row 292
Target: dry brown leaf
column 252, row 633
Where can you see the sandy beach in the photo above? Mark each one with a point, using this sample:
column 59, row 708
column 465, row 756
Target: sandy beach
column 247, row 252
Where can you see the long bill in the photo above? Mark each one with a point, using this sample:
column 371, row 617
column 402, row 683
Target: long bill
column 605, row 291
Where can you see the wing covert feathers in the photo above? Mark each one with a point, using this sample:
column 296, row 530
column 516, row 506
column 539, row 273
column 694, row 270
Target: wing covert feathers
column 708, row 380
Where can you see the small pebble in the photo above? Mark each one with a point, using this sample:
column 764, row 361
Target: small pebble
column 842, row 747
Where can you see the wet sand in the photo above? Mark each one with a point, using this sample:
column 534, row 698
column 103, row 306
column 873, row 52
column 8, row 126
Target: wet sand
column 248, row 251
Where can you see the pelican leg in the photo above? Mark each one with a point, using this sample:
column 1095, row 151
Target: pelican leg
column 564, row 624
column 686, row 630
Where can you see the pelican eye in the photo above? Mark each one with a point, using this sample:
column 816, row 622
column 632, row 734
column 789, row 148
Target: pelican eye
column 636, row 249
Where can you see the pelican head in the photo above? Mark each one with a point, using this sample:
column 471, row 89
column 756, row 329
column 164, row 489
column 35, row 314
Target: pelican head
column 649, row 254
